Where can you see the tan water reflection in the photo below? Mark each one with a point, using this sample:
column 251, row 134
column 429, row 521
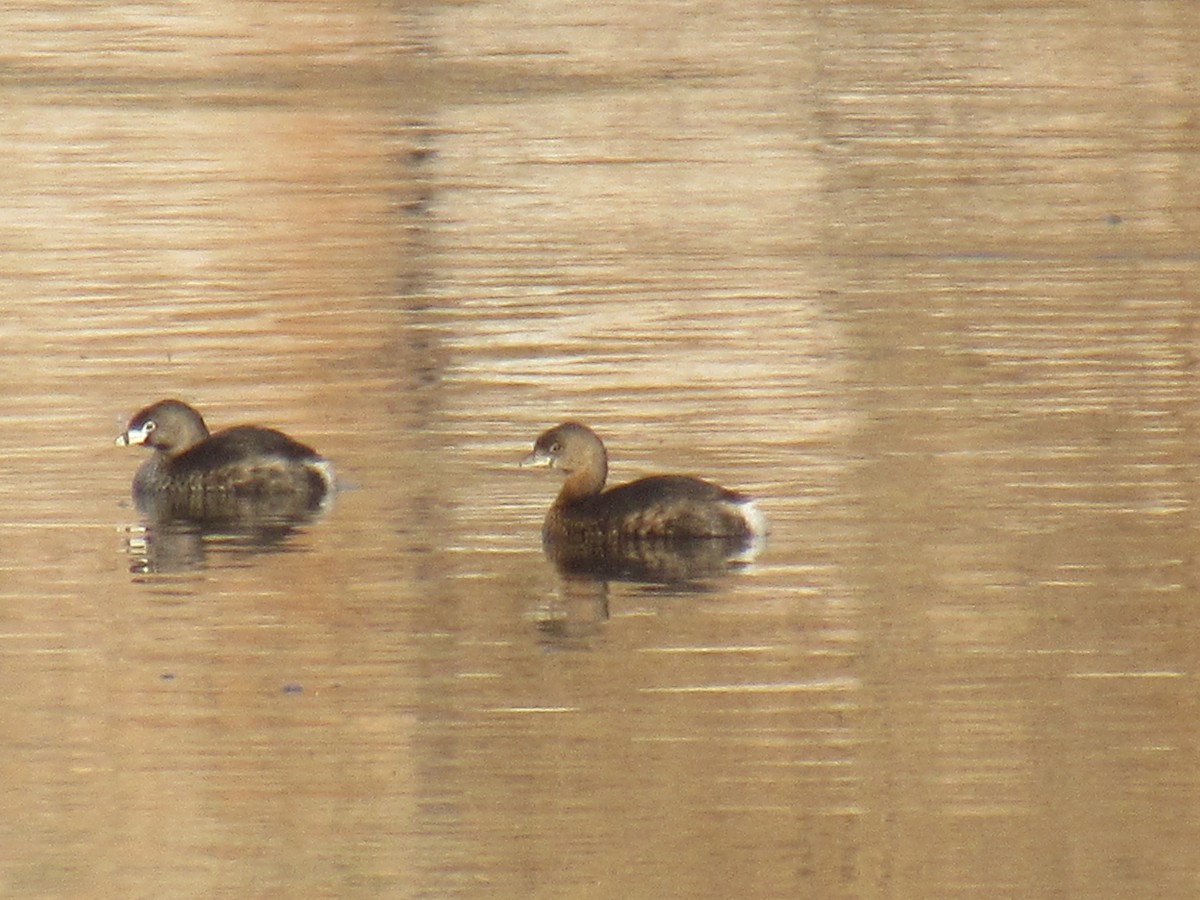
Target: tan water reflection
column 918, row 278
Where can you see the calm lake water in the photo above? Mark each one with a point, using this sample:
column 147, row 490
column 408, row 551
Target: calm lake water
column 920, row 278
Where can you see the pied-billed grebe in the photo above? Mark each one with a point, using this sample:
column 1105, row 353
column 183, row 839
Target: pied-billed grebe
column 244, row 470
column 659, row 507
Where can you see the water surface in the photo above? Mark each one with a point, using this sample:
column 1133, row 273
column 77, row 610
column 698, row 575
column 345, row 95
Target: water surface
column 919, row 279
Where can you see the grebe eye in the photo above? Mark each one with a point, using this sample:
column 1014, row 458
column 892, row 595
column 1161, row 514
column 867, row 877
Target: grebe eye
column 148, row 427
column 556, row 447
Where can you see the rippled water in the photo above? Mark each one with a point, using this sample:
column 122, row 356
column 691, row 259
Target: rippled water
column 918, row 278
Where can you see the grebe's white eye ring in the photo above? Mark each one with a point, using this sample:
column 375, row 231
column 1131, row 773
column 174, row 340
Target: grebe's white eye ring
column 149, row 427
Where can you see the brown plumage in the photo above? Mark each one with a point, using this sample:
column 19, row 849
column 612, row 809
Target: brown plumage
column 245, row 471
column 673, row 507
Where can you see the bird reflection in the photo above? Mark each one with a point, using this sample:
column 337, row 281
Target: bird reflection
column 170, row 543
column 576, row 615
column 678, row 563
column 658, row 565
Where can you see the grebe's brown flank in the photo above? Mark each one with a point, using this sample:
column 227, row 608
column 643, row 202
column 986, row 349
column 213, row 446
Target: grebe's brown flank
column 192, row 470
column 661, row 506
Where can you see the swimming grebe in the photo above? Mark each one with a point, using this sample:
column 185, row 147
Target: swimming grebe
column 658, row 507
column 238, row 471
